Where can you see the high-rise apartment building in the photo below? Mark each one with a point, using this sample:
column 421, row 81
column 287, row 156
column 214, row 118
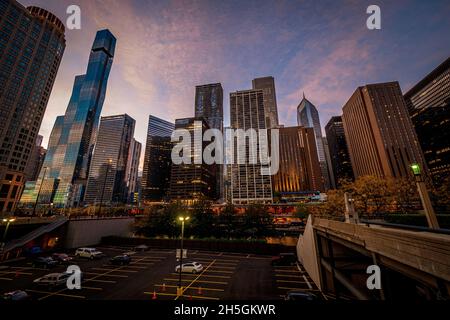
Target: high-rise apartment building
column 308, row 117
column 339, row 155
column 267, row 85
column 157, row 160
column 209, row 106
column 73, row 136
column 108, row 172
column 32, row 43
column 36, row 160
column 379, row 132
column 299, row 172
column 246, row 183
column 428, row 104
column 194, row 181
column 131, row 179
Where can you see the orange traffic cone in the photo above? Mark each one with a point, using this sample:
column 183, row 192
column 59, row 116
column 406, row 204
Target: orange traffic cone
column 154, row 295
column 199, row 290
column 163, row 287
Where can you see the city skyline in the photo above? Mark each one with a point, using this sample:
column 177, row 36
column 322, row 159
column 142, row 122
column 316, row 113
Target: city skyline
column 324, row 50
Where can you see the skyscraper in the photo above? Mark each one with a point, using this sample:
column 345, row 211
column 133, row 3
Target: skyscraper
column 337, row 145
column 329, row 166
column 191, row 182
column 428, row 103
column 108, row 173
column 267, row 85
column 209, row 106
column 31, row 47
column 157, row 160
column 379, row 133
column 299, row 173
column 131, row 179
column 73, row 136
column 247, row 184
column 308, row 116
column 36, row 160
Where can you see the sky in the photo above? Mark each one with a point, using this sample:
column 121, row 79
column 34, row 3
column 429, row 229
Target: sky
column 322, row 48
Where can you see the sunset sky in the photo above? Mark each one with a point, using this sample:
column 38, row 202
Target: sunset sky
column 165, row 48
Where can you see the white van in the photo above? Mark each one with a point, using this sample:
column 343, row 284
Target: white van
column 90, row 253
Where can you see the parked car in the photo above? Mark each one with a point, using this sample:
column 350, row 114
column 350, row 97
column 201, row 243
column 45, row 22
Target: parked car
column 61, row 258
column 300, row 295
column 191, row 267
column 141, row 247
column 16, row 295
column 90, row 253
column 122, row 259
column 44, row 262
column 285, row 259
column 52, row 280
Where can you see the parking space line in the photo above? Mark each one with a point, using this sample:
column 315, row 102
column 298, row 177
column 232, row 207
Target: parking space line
column 142, row 263
column 287, row 271
column 16, row 272
column 307, row 282
column 91, row 288
column 193, row 288
column 7, row 279
column 107, row 275
column 218, row 271
column 290, row 281
column 288, row 276
column 28, row 268
column 102, row 281
column 202, row 281
column 223, row 267
column 186, row 296
column 290, row 288
column 205, row 275
column 106, row 269
column 56, row 294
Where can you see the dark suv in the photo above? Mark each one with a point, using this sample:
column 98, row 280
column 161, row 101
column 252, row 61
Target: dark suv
column 44, row 262
column 285, row 259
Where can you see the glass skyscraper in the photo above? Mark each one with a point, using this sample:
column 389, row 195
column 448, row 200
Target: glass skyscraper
column 71, row 143
column 32, row 43
column 308, row 116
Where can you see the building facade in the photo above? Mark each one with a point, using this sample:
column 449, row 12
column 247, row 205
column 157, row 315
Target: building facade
column 209, row 106
column 36, row 160
column 308, row 117
column 428, row 104
column 379, row 132
column 192, row 182
column 299, row 173
column 337, row 146
column 73, row 136
column 134, row 156
column 267, row 85
column 32, row 43
column 108, row 172
column 246, row 183
column 157, row 160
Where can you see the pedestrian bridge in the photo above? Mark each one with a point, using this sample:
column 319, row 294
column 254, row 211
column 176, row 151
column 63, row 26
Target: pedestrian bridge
column 414, row 264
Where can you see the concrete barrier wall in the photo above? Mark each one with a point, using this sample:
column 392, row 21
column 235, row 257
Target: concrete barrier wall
column 307, row 254
column 89, row 231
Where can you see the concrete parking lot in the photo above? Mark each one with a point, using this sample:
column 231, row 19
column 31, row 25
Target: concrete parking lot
column 151, row 275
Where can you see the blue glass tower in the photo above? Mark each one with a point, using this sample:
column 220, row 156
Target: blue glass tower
column 72, row 140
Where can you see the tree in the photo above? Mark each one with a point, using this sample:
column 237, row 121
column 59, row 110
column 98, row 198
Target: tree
column 257, row 221
column 229, row 221
column 301, row 211
column 204, row 220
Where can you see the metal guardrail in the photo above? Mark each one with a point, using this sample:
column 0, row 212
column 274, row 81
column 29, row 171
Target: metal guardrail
column 406, row 227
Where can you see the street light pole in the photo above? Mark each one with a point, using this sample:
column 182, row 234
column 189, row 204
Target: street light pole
column 425, row 198
column 103, row 189
column 8, row 222
column 180, row 288
column 39, row 191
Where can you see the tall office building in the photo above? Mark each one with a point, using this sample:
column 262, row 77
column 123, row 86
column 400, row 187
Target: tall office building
column 379, row 132
column 108, row 173
column 32, row 43
column 339, row 155
column 191, row 182
column 36, row 160
column 247, row 184
column 71, row 142
column 209, row 106
column 134, row 155
column 329, row 166
column 157, row 160
column 428, row 103
column 308, row 116
column 299, row 173
column 267, row 85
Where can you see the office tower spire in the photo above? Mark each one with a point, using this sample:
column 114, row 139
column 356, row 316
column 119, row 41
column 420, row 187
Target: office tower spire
column 73, row 136
column 31, row 47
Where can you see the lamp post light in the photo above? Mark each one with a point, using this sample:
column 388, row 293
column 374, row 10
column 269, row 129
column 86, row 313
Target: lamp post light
column 180, row 288
column 104, row 184
column 425, row 197
column 8, row 222
column 39, row 191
